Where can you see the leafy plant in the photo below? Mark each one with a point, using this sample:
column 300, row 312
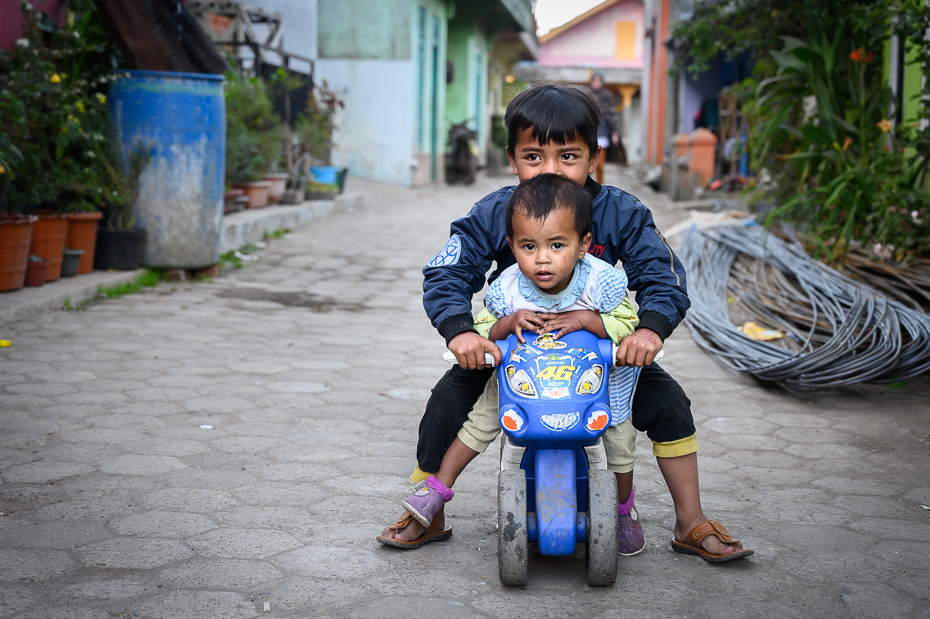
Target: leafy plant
column 254, row 137
column 316, row 124
column 52, row 112
column 828, row 157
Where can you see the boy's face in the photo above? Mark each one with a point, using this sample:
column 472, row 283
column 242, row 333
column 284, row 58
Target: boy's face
column 572, row 160
column 546, row 251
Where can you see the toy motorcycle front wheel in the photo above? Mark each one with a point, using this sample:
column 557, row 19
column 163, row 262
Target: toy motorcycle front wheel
column 601, row 543
column 512, row 542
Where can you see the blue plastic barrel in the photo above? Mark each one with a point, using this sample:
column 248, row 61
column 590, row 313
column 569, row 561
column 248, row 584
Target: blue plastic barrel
column 180, row 120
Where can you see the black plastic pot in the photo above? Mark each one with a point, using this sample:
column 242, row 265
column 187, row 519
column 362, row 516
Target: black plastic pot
column 119, row 249
column 71, row 262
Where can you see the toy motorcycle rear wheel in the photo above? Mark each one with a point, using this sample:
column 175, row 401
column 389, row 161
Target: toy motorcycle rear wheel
column 601, row 543
column 512, row 547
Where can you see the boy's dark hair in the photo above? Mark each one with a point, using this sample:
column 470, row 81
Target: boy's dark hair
column 555, row 113
column 544, row 193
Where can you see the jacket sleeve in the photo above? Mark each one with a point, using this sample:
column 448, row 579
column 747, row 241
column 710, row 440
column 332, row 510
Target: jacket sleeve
column 458, row 271
column 655, row 273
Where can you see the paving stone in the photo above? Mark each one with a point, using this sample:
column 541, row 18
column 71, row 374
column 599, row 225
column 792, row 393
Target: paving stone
column 188, row 499
column 232, row 574
column 106, row 590
column 196, row 605
column 165, row 447
column 243, row 543
column 162, row 524
column 44, row 472
column 56, row 535
column 104, row 435
column 66, row 612
column 264, row 517
column 141, row 465
column 18, row 565
column 307, row 596
column 328, row 563
column 134, row 554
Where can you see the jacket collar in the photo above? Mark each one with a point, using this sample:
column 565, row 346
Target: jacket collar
column 593, row 188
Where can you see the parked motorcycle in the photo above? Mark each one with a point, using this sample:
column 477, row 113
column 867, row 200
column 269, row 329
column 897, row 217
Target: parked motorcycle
column 462, row 161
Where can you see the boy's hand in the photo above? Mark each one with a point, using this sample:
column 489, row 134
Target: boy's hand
column 569, row 322
column 522, row 320
column 639, row 349
column 469, row 349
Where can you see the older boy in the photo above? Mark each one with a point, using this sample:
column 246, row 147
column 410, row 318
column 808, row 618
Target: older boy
column 553, row 128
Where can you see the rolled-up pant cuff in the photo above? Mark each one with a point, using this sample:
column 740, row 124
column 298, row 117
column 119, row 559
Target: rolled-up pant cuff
column 419, row 475
column 673, row 449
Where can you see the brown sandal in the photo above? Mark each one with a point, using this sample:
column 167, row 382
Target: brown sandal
column 433, row 533
column 692, row 545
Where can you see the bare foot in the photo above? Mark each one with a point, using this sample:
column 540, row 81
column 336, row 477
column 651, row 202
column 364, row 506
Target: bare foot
column 414, row 530
column 711, row 543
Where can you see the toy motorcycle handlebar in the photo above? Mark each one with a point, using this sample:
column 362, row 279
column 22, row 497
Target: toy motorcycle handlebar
column 489, row 358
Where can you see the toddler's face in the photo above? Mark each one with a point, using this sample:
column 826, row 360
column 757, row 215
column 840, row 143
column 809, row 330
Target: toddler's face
column 547, row 250
column 572, row 160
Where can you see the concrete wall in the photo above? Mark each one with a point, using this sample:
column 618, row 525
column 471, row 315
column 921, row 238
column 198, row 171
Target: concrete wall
column 593, row 42
column 375, row 130
column 300, row 24
column 364, row 29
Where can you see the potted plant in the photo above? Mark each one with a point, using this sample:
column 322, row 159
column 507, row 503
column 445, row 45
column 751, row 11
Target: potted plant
column 120, row 243
column 51, row 107
column 314, row 130
column 253, row 137
column 15, row 229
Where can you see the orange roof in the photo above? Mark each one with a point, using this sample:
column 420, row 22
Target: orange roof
column 586, row 15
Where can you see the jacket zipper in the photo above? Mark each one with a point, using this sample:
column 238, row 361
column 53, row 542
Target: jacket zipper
column 671, row 258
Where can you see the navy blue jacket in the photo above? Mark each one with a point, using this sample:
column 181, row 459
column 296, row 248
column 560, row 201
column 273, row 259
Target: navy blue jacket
column 623, row 231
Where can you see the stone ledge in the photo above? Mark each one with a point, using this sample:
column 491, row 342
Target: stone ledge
column 25, row 302
column 249, row 226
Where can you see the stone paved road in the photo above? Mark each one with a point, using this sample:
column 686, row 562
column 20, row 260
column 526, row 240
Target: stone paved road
column 200, row 449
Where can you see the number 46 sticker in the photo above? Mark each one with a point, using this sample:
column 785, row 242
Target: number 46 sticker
column 561, row 372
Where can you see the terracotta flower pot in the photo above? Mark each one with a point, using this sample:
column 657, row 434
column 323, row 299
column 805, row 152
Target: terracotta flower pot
column 15, row 236
column 35, row 273
column 257, row 192
column 278, row 186
column 82, row 234
column 48, row 242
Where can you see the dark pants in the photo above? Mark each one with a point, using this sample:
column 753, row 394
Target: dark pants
column 660, row 409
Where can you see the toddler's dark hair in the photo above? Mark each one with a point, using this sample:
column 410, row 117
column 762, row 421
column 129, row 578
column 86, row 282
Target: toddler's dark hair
column 542, row 194
column 555, row 113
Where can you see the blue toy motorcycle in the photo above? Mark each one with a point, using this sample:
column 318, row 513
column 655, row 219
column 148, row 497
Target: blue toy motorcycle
column 554, row 488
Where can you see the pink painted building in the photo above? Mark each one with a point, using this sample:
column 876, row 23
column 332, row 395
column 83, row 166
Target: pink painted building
column 607, row 39
column 11, row 18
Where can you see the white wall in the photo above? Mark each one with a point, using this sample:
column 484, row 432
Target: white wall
column 300, row 18
column 375, row 128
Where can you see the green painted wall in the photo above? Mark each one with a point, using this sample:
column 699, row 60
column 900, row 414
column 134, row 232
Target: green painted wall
column 467, row 94
column 365, row 29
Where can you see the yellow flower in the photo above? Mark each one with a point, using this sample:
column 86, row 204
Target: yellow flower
column 884, row 125
column 847, row 142
column 55, row 78
column 2, row 169
column 101, row 98
column 80, row 106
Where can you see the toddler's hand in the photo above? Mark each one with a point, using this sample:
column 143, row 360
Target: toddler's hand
column 567, row 322
column 524, row 319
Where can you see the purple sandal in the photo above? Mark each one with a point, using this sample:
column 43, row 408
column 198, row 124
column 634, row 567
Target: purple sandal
column 427, row 499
